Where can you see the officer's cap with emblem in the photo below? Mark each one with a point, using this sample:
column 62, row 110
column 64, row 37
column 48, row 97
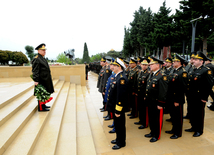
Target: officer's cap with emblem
column 145, row 61
column 112, row 61
column 139, row 58
column 168, row 59
column 154, row 60
column 192, row 54
column 200, row 55
column 108, row 60
column 121, row 58
column 41, row 47
column 127, row 62
column 132, row 60
column 103, row 59
column 179, row 58
column 119, row 63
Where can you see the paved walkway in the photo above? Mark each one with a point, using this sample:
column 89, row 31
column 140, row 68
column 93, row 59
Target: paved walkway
column 137, row 144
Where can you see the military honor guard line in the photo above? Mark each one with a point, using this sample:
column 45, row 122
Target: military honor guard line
column 148, row 88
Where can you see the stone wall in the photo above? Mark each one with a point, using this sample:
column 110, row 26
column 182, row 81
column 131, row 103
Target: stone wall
column 74, row 74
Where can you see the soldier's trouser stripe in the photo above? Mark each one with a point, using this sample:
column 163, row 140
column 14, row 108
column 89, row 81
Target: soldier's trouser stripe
column 147, row 117
column 160, row 122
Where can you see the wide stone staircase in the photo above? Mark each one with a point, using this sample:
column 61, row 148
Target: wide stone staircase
column 74, row 125
column 71, row 127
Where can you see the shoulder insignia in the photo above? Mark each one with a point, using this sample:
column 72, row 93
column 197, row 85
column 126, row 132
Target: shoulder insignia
column 118, row 108
column 36, row 56
column 164, row 78
column 184, row 75
column 121, row 75
column 122, row 82
column 209, row 72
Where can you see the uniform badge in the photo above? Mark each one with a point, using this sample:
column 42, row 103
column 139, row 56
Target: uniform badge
column 131, row 77
column 122, row 81
column 153, row 85
column 209, row 72
column 106, row 71
column 165, row 78
column 195, row 78
column 184, row 75
column 143, row 81
column 173, row 79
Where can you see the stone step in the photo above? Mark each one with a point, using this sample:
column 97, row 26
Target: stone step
column 101, row 142
column 48, row 139
column 10, row 129
column 12, row 107
column 67, row 137
column 14, row 92
column 85, row 143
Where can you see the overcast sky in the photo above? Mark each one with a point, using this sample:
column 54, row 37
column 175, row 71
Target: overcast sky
column 68, row 24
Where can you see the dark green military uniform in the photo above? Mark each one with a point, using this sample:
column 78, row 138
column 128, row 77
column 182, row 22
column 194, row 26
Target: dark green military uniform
column 133, row 74
column 156, row 91
column 176, row 88
column 142, row 106
column 200, row 85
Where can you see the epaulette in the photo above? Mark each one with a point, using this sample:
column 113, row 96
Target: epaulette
column 36, row 57
column 184, row 69
column 121, row 75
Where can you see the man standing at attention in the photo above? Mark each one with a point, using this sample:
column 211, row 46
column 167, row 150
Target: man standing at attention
column 118, row 99
column 156, row 91
column 200, row 86
column 42, row 74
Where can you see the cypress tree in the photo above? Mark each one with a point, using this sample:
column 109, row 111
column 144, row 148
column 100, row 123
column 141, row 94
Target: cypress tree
column 86, row 57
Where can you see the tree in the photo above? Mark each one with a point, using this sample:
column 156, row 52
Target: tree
column 97, row 57
column 4, row 58
column 30, row 52
column 19, row 58
column 127, row 47
column 86, row 57
column 63, row 59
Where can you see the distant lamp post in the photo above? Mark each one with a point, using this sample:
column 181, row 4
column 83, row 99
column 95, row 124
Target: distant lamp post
column 193, row 32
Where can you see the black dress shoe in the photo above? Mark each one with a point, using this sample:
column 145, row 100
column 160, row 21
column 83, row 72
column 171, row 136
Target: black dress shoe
column 153, row 139
column 137, row 123
column 114, row 141
column 169, row 120
column 116, row 147
column 186, row 117
column 189, row 130
column 112, row 131
column 174, row 137
column 148, row 135
column 141, row 127
column 110, row 126
column 107, row 118
column 169, row 132
column 102, row 110
column 132, row 117
column 129, row 114
column 197, row 134
column 46, row 106
column 211, row 107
